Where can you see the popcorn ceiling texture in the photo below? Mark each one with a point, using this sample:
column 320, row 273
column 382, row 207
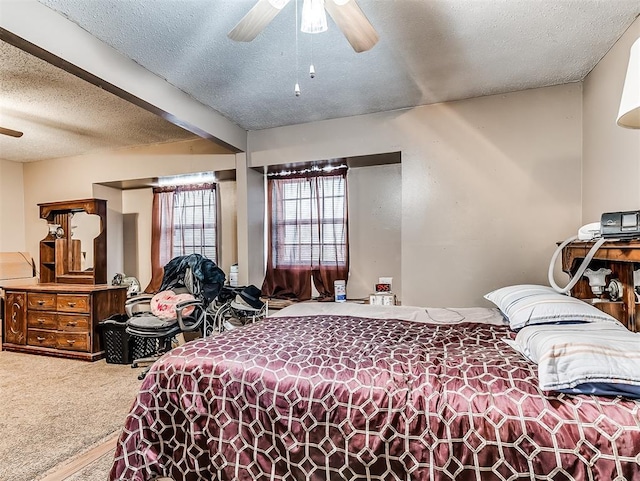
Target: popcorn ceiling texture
column 428, row 52
column 62, row 115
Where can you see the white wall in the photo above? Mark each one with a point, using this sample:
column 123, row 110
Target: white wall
column 251, row 229
column 228, row 241
column 140, row 202
column 12, row 236
column 375, row 206
column 489, row 185
column 611, row 154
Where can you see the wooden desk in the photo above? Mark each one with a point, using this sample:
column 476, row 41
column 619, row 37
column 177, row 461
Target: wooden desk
column 59, row 319
column 622, row 257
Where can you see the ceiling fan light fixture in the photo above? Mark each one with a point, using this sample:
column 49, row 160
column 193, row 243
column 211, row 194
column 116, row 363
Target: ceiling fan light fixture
column 629, row 113
column 314, row 18
column 346, row 14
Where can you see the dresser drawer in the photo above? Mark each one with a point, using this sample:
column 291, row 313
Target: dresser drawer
column 73, row 323
column 42, row 338
column 73, row 303
column 72, row 341
column 42, row 320
column 41, row 301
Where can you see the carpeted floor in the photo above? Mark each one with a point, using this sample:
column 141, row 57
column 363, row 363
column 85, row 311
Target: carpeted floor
column 53, row 409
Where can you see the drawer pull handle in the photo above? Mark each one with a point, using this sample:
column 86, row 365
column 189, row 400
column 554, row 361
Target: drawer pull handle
column 71, row 304
column 41, row 321
column 72, row 323
column 71, row 342
column 41, row 303
column 40, row 339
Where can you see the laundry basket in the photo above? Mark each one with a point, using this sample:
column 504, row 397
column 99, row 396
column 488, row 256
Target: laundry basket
column 121, row 347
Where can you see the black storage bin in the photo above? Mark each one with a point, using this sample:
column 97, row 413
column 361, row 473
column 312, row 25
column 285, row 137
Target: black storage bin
column 121, row 347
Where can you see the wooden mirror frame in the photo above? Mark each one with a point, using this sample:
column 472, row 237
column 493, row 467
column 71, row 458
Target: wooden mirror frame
column 56, row 252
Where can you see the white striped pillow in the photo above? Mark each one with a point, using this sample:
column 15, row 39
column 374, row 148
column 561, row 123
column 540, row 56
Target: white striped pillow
column 571, row 355
column 527, row 305
column 504, row 296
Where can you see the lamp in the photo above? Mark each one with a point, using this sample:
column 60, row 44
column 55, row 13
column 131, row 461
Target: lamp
column 314, row 18
column 629, row 113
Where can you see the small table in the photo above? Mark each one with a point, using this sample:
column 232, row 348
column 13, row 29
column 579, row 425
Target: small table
column 623, row 258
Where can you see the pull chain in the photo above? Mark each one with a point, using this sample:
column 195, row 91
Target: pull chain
column 312, row 69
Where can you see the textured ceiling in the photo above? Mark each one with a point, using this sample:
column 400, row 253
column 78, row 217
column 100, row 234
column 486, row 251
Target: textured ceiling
column 62, row 115
column 429, row 51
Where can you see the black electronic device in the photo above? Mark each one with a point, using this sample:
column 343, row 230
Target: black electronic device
column 620, row 225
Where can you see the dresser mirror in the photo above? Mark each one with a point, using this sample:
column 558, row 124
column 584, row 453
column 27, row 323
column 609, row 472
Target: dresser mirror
column 84, row 228
column 75, row 248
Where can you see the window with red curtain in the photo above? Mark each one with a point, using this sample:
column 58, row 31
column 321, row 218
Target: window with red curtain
column 308, row 234
column 194, row 222
column 184, row 221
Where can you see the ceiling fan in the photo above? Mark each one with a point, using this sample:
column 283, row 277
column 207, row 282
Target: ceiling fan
column 10, row 133
column 346, row 14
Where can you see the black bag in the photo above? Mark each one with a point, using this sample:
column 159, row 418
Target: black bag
column 201, row 276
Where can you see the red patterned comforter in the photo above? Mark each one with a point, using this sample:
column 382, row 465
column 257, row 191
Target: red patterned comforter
column 335, row 397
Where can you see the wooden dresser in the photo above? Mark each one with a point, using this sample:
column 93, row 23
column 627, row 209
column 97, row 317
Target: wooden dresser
column 59, row 319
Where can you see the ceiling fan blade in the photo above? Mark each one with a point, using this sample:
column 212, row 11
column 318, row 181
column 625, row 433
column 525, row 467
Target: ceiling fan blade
column 354, row 24
column 9, row 132
column 256, row 20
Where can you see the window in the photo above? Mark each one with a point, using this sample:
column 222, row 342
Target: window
column 308, row 233
column 308, row 224
column 194, row 223
column 183, row 222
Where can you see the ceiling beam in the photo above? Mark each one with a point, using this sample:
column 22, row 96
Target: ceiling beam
column 40, row 31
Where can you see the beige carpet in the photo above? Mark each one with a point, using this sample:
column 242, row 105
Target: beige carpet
column 53, row 409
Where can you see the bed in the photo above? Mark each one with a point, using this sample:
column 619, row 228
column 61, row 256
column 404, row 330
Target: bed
column 326, row 391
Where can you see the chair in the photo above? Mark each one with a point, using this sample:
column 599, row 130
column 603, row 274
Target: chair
column 189, row 285
column 236, row 307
